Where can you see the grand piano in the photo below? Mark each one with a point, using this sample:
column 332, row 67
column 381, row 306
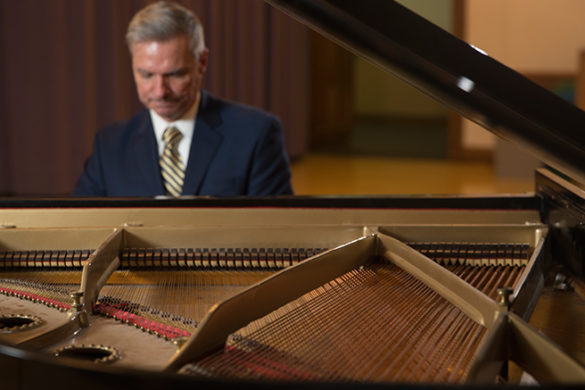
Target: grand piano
column 317, row 291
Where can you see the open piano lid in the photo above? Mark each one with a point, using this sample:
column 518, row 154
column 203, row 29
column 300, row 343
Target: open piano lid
column 455, row 73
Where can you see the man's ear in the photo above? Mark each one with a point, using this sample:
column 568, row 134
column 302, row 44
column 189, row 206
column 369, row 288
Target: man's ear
column 203, row 57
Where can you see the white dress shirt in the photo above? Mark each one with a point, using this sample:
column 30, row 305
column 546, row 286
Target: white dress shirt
column 186, row 124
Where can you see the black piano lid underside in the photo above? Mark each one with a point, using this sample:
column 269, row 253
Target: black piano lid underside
column 434, row 61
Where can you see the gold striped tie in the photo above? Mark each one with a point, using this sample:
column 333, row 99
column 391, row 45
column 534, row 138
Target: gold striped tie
column 171, row 164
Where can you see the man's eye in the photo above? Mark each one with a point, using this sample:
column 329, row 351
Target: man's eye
column 178, row 74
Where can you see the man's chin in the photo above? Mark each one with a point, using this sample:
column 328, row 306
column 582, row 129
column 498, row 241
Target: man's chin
column 167, row 112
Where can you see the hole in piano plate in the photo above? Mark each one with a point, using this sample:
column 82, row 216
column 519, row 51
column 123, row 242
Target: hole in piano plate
column 89, row 353
column 16, row 322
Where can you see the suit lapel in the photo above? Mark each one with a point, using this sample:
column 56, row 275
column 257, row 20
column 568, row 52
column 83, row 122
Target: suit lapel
column 146, row 155
column 206, row 140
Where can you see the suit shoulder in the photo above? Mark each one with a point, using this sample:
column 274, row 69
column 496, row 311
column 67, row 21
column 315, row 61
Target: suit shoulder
column 239, row 110
column 125, row 128
column 239, row 120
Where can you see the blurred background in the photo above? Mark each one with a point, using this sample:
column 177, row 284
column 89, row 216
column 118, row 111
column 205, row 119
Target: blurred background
column 351, row 128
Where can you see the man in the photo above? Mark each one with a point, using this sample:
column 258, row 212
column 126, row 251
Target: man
column 186, row 142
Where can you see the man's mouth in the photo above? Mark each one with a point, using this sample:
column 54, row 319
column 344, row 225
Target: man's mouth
column 163, row 103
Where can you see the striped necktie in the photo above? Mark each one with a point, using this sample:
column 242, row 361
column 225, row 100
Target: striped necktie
column 171, row 164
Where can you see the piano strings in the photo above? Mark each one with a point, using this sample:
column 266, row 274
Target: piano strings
column 44, row 276
column 176, row 287
column 375, row 323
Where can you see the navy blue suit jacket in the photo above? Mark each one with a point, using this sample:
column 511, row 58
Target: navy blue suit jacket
column 236, row 150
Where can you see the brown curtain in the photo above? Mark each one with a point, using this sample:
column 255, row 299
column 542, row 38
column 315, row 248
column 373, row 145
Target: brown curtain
column 65, row 72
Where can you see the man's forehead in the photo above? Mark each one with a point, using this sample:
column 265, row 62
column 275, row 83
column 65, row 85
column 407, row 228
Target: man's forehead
column 159, row 50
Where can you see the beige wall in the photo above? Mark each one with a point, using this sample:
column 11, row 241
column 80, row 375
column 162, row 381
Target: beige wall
column 378, row 93
column 530, row 36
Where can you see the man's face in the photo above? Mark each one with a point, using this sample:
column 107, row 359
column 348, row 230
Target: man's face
column 167, row 76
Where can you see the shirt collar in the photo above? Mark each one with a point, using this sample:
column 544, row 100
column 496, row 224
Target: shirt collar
column 186, row 124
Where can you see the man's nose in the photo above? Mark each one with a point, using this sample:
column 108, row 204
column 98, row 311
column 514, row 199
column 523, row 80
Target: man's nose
column 160, row 87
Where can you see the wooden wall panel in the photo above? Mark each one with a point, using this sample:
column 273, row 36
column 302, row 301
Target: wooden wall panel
column 580, row 82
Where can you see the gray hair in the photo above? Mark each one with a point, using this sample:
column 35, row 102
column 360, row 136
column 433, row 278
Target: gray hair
column 165, row 20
